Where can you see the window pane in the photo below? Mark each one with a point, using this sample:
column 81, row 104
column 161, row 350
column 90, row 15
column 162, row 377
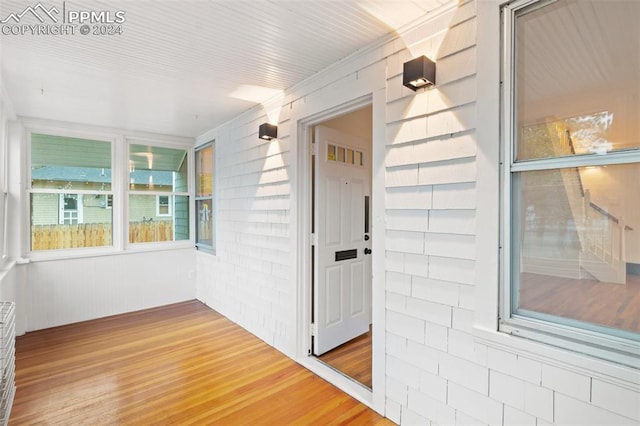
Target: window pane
column 577, row 245
column 66, row 221
column 153, row 168
column 577, row 89
column 59, row 162
column 204, row 230
column 146, row 225
column 204, row 172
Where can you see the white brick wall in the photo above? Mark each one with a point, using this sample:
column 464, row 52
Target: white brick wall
column 436, row 369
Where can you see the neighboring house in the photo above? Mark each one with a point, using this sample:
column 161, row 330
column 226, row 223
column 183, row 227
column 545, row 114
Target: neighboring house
column 75, row 208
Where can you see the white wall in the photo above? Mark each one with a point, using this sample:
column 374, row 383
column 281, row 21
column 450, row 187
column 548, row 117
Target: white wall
column 445, row 362
column 71, row 290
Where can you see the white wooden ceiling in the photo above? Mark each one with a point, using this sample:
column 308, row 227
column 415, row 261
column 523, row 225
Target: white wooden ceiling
column 178, row 63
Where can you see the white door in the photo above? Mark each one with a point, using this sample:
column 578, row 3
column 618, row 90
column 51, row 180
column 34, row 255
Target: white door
column 342, row 254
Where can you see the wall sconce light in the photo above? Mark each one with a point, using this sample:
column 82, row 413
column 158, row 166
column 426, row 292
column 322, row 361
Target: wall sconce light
column 419, row 72
column 267, row 131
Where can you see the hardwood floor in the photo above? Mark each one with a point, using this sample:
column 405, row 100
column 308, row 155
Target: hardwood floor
column 352, row 359
column 612, row 305
column 180, row 364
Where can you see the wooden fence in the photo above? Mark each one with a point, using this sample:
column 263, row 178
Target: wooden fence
column 55, row 237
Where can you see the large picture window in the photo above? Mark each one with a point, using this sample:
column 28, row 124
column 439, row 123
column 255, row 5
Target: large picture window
column 158, row 194
column 204, row 197
column 69, row 179
column 571, row 251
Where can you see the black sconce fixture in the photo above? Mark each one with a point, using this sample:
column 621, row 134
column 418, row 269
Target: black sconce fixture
column 419, row 72
column 268, row 131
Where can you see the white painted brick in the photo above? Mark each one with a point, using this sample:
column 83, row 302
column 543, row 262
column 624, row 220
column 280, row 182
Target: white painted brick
column 458, row 38
column 463, row 319
column 514, row 417
column 570, row 411
column 443, row 292
column 402, row 176
column 407, row 220
column 429, row 311
column 424, row 357
column 392, row 410
column 396, row 302
column 467, row 298
column 615, row 398
column 405, row 241
column 394, row 261
column 506, row 389
column 436, row 336
column 408, row 198
column 566, row 382
column 445, row 148
column 403, row 372
column 431, row 408
column 399, row 283
column 460, row 119
column 480, row 352
column 448, row 269
column 458, row 93
column 456, row 66
column 450, row 245
column 475, row 404
column 433, row 386
column 465, row 373
column 442, row 172
column 408, row 107
column 395, row 344
column 396, row 390
column 462, row 345
column 406, row 326
column 538, row 401
column 416, row 264
column 406, row 131
column 464, row 420
column 411, row 418
column 517, row 366
column 454, row 196
column 452, row 221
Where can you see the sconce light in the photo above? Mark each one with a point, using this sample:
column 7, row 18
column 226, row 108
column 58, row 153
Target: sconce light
column 267, row 131
column 419, row 72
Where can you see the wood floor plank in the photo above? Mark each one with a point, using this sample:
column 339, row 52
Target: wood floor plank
column 179, row 364
column 353, row 359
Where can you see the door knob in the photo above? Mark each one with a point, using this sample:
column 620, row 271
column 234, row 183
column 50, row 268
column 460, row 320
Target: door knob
column 367, row 251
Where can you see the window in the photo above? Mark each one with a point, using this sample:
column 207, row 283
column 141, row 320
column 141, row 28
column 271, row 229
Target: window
column 4, row 188
column 69, row 177
column 204, row 197
column 571, row 251
column 158, row 194
column 163, row 205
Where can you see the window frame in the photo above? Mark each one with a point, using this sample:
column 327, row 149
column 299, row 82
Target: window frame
column 199, row 245
column 167, row 205
column 595, row 343
column 189, row 193
column 78, row 134
column 119, row 187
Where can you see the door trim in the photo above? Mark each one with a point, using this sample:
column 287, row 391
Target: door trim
column 373, row 398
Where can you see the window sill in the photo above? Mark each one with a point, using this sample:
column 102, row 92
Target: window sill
column 54, row 255
column 608, row 371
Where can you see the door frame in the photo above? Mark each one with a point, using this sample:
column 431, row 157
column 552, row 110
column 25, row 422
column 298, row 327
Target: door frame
column 304, row 125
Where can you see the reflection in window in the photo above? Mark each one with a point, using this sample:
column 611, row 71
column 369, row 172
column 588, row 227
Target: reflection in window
column 70, row 178
column 573, row 230
column 204, row 197
column 158, row 194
